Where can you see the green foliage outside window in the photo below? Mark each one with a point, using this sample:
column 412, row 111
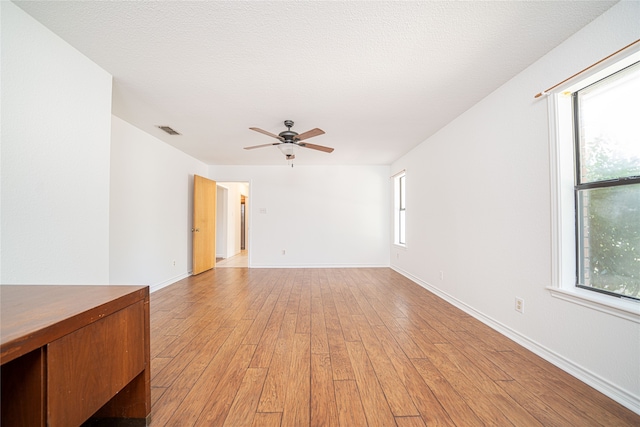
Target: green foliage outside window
column 612, row 221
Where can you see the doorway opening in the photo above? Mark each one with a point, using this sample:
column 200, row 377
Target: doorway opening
column 232, row 225
column 243, row 223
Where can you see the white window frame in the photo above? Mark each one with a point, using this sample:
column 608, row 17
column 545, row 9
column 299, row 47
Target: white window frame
column 397, row 208
column 563, row 247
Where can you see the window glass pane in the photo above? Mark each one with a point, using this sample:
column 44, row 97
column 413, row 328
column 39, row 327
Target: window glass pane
column 401, row 237
column 402, row 191
column 609, row 127
column 399, row 216
column 609, row 239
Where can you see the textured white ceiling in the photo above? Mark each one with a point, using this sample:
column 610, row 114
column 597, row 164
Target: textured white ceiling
column 378, row 77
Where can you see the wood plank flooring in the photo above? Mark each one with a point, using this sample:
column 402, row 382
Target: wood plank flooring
column 346, row 347
column 238, row 260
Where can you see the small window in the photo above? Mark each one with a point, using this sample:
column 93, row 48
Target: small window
column 400, row 209
column 607, row 183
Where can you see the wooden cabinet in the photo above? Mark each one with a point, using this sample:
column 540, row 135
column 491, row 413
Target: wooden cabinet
column 69, row 353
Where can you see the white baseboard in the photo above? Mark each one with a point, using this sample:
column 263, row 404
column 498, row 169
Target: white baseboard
column 321, row 266
column 168, row 282
column 609, row 389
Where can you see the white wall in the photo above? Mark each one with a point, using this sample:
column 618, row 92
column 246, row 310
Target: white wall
column 322, row 216
column 56, row 118
column 479, row 210
column 151, row 208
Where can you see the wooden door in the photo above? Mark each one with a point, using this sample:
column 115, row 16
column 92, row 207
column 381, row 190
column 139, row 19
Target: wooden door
column 204, row 224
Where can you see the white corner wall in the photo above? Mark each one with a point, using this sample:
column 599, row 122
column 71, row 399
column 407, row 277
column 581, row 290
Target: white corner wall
column 321, row 216
column 56, row 118
column 151, row 208
column 479, row 211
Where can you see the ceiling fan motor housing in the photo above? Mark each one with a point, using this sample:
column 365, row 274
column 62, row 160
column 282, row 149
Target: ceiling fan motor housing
column 288, row 135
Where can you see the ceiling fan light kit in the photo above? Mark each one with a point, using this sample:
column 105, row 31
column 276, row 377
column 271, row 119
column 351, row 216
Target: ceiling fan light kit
column 288, row 149
column 290, row 141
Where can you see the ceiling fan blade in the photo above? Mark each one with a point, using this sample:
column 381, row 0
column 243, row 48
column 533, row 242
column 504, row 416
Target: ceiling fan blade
column 316, row 147
column 260, row 146
column 267, row 133
column 309, row 134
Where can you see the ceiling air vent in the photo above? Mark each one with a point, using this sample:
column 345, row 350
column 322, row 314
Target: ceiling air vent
column 168, row 130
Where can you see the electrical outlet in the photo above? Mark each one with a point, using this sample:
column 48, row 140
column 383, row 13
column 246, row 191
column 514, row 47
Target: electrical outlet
column 441, row 275
column 174, row 262
column 284, row 252
column 520, row 305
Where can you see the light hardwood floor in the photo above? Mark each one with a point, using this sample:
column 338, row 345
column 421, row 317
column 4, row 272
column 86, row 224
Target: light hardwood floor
column 346, row 347
column 239, row 260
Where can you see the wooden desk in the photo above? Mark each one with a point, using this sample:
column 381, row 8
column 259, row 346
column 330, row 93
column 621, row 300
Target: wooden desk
column 70, row 353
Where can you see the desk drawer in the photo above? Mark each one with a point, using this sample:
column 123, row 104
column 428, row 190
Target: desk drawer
column 89, row 366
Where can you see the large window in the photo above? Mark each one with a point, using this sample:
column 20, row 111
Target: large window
column 606, row 122
column 400, row 208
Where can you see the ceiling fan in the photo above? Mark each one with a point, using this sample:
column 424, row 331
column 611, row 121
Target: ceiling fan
column 289, row 141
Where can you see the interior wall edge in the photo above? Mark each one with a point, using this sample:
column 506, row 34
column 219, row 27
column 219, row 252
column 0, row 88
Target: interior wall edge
column 168, row 282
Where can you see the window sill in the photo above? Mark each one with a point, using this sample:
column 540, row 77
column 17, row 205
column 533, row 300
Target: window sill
column 619, row 307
